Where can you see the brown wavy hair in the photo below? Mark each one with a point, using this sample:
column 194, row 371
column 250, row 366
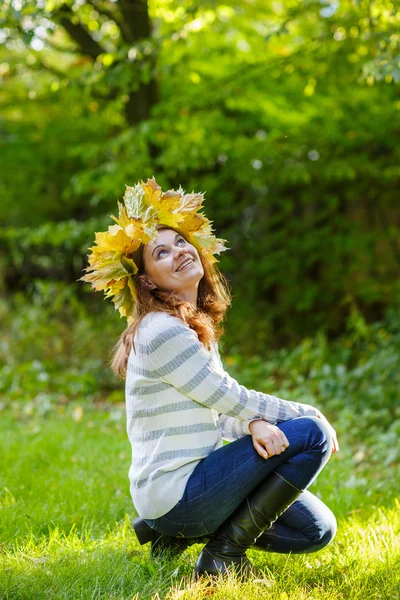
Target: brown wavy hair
column 213, row 301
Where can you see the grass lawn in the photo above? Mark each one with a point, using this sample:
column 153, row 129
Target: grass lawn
column 65, row 522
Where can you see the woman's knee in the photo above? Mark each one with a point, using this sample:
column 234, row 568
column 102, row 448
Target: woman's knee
column 319, row 433
column 326, row 532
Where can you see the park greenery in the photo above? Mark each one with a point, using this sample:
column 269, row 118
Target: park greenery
column 65, row 511
column 286, row 114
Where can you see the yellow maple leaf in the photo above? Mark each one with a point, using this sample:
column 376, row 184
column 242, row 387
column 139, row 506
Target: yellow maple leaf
column 191, row 202
column 152, row 192
column 193, row 222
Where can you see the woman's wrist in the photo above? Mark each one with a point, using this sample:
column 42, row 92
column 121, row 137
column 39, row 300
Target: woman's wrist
column 249, row 424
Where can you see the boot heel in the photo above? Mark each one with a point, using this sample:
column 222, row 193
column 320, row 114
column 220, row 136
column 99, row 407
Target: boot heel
column 143, row 532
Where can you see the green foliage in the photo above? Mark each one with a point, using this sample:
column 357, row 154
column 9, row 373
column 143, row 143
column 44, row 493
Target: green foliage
column 52, row 250
column 285, row 114
column 354, row 380
column 54, row 349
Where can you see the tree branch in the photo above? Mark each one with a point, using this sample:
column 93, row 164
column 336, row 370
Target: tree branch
column 78, row 33
column 136, row 18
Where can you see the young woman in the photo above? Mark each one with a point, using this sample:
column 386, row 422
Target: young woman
column 185, row 484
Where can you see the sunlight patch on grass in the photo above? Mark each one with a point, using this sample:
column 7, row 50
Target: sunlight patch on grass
column 67, row 534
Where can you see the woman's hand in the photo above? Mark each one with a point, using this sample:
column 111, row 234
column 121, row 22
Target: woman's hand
column 268, row 440
column 333, row 432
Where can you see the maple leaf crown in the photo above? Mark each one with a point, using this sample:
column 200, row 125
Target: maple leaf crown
column 111, row 268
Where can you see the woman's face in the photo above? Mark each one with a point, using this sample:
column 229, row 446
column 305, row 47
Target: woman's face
column 163, row 260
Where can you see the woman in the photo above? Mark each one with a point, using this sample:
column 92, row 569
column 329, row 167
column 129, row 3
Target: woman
column 185, row 484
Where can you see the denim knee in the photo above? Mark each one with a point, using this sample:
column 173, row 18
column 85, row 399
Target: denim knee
column 326, row 532
column 320, row 433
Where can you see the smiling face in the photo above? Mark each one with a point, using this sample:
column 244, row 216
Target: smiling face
column 163, row 259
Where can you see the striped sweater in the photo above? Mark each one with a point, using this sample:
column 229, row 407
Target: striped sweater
column 180, row 404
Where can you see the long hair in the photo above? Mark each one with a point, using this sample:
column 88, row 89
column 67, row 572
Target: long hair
column 213, row 300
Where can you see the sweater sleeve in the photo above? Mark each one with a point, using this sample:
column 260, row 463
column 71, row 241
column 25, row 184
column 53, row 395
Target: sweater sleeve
column 234, row 429
column 176, row 355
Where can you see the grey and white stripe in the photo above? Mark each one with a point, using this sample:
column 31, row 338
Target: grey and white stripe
column 180, row 405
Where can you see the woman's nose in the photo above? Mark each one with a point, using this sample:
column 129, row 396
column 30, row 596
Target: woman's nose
column 179, row 251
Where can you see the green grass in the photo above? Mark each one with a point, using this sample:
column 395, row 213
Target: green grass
column 65, row 522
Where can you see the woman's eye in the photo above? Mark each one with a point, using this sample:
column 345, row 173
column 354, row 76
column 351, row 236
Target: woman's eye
column 159, row 252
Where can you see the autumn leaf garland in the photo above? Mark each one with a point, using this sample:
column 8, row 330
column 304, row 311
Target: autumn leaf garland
column 111, row 267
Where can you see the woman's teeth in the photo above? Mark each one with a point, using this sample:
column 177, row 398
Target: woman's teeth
column 185, row 265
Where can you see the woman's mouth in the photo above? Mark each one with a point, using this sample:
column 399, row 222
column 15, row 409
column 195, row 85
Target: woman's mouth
column 185, row 265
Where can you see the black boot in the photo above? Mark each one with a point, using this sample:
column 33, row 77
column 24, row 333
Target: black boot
column 160, row 542
column 227, row 547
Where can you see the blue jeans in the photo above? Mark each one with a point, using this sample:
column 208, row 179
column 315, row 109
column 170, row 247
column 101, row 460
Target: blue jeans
column 222, row 480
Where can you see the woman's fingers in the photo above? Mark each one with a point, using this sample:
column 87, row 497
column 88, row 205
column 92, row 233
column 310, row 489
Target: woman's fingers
column 279, row 442
column 335, row 442
column 268, row 440
column 273, row 446
column 260, row 449
column 270, row 447
column 284, row 440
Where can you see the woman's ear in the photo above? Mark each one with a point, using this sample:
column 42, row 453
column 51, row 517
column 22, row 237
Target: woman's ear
column 147, row 283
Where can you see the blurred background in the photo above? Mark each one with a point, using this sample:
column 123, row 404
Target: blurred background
column 286, row 114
